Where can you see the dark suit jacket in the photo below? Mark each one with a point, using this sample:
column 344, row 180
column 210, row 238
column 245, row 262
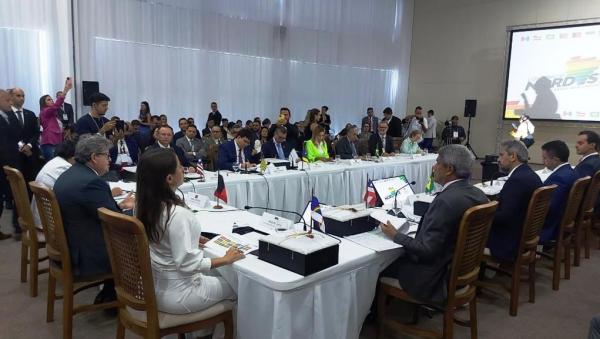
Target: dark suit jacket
column 423, row 269
column 375, row 142
column 589, row 166
column 395, row 127
column 30, row 134
column 66, row 115
column 269, row 150
column 10, row 135
column 227, row 155
column 132, row 146
column 292, row 138
column 563, row 178
column 375, row 124
column 513, row 201
column 80, row 192
column 180, row 153
column 216, row 117
column 344, row 149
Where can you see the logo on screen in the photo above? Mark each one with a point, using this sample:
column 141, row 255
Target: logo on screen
column 579, row 72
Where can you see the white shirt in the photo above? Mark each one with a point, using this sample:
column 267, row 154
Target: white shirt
column 431, row 128
column 525, row 130
column 511, row 171
column 237, row 152
column 415, row 125
column 559, row 166
column 449, row 183
column 161, row 145
column 47, row 176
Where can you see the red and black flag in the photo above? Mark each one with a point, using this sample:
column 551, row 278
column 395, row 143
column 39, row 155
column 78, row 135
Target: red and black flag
column 221, row 192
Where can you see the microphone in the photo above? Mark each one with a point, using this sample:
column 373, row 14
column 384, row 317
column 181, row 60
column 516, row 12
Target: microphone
column 278, row 210
column 396, row 211
column 495, row 176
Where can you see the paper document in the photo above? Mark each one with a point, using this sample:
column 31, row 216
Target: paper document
column 223, row 242
column 378, row 241
column 383, row 217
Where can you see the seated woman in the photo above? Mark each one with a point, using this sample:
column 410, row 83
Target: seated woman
column 184, row 279
column 410, row 145
column 316, row 148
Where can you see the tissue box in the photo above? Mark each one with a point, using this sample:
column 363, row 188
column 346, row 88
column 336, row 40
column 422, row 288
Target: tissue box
column 299, row 253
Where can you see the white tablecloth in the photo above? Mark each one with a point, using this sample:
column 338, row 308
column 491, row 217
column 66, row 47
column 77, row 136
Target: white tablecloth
column 333, row 183
column 277, row 303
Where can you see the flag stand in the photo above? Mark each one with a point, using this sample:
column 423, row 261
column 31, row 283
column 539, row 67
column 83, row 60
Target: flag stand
column 219, row 180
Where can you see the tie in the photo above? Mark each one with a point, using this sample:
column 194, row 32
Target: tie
column 20, row 116
column 280, row 154
column 371, row 124
column 239, row 156
column 353, row 149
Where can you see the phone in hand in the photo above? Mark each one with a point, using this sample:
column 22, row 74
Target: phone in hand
column 120, row 125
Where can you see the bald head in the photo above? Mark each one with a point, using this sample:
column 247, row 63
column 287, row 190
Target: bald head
column 17, row 97
column 5, row 101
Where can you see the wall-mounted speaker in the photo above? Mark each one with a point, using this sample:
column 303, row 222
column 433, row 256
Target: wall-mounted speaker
column 470, row 108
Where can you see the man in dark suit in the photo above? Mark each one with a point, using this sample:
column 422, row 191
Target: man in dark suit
column 183, row 125
column 165, row 140
column 371, row 120
column 277, row 147
column 214, row 114
column 65, row 112
column 292, row 131
column 96, row 122
column 555, row 155
column 80, row 191
column 10, row 132
column 381, row 141
column 513, row 200
column 126, row 150
column 346, row 145
column 236, row 151
column 192, row 146
column 453, row 133
column 394, row 123
column 423, row 267
column 587, row 147
column 30, row 134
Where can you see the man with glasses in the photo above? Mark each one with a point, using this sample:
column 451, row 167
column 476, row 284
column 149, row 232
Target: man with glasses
column 381, row 143
column 277, row 147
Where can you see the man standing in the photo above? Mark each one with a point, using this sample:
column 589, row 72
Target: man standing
column 587, row 148
column 183, row 125
column 416, row 122
column 346, row 146
column 371, row 120
column 10, row 131
column 214, row 114
column 524, row 132
column 513, row 200
column 96, row 122
column 192, row 146
column 30, row 133
column 555, row 155
column 277, row 147
column 394, row 123
column 325, row 119
column 292, row 132
column 381, row 142
column 80, row 191
column 453, row 133
column 65, row 112
column 423, row 267
column 236, row 151
column 430, row 133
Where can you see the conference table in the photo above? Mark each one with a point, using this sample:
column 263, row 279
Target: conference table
column 274, row 302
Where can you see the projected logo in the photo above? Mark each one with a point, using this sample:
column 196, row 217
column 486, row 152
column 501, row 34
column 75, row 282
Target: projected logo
column 391, row 192
column 514, row 109
column 579, row 72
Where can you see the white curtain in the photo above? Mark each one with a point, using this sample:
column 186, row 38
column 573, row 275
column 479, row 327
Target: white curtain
column 252, row 57
column 35, row 52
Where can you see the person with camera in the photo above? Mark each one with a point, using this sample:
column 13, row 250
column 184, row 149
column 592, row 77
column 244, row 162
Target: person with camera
column 416, row 122
column 453, row 133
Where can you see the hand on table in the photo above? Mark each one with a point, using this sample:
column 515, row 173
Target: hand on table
column 128, row 203
column 233, row 254
column 388, row 229
column 116, row 191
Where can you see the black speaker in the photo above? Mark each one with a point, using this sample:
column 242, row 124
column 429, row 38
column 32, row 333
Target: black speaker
column 470, row 108
column 89, row 88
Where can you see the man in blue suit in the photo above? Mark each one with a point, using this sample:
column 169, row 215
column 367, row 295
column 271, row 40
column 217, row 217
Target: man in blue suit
column 555, row 155
column 80, row 191
column 237, row 151
column 513, row 200
column 587, row 147
column 277, row 147
column 165, row 140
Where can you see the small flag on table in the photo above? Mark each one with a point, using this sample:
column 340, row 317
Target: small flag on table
column 200, row 167
column 221, row 192
column 316, row 216
column 370, row 197
column 430, row 186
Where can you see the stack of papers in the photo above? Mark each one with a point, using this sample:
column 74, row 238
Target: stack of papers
column 377, row 240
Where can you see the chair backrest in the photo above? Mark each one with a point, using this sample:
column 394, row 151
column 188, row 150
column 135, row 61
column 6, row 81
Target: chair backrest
column 569, row 219
column 591, row 195
column 472, row 236
column 535, row 218
column 52, row 223
column 19, row 191
column 212, row 157
column 129, row 253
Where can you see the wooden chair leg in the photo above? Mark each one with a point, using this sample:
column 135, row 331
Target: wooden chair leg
column 473, row 317
column 577, row 250
column 51, row 298
column 514, row 290
column 24, row 261
column 556, row 267
column 448, row 324
column 67, row 309
column 567, row 258
column 228, row 323
column 532, row 282
column 588, row 239
column 120, row 330
column 181, row 336
column 33, row 271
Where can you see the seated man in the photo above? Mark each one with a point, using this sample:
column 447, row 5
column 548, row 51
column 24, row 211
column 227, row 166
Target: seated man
column 165, row 139
column 513, row 200
column 126, row 150
column 236, row 151
column 555, row 155
column 80, row 191
column 346, row 145
column 191, row 145
column 423, row 267
column 380, row 142
column 587, row 146
column 277, row 147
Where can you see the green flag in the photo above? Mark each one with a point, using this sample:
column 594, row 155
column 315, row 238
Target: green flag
column 429, row 186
